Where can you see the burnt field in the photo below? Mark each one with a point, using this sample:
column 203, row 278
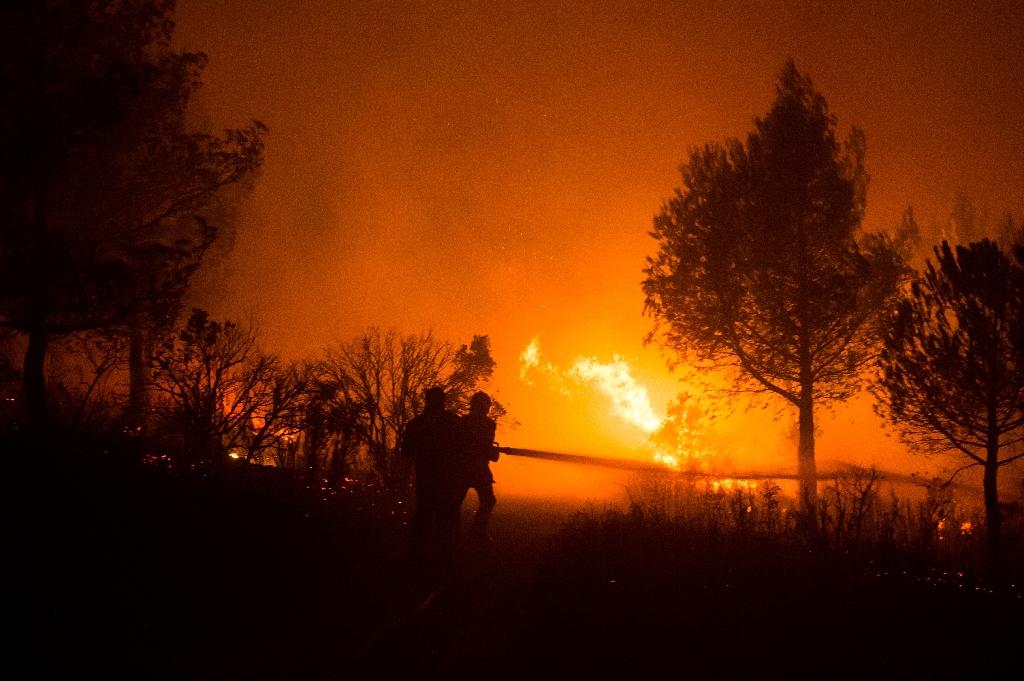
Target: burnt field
column 127, row 571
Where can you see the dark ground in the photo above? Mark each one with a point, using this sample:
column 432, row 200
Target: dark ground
column 129, row 572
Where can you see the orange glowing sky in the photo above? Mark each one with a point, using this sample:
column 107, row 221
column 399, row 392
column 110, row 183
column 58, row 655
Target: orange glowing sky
column 494, row 167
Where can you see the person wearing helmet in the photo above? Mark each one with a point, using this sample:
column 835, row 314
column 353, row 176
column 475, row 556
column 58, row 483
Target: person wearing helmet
column 477, row 452
column 432, row 440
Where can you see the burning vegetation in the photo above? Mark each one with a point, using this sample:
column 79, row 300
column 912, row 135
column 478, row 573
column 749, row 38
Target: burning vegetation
column 674, row 440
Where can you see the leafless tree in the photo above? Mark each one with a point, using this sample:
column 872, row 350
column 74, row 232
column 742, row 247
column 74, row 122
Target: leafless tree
column 278, row 406
column 384, row 375
column 92, row 362
column 215, row 382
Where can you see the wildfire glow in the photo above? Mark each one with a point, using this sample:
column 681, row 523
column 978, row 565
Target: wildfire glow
column 729, row 484
column 670, row 460
column 529, row 359
column 630, row 400
column 672, row 439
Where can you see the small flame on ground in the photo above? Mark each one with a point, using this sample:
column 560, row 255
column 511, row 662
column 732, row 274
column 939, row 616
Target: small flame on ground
column 669, row 460
column 730, row 484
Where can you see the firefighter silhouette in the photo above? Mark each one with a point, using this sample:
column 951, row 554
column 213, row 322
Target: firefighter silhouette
column 432, row 440
column 477, row 451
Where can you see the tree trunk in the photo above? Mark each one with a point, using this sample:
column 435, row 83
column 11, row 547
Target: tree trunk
column 34, row 379
column 807, row 469
column 214, row 455
column 34, row 368
column 139, row 377
column 313, row 447
column 993, row 516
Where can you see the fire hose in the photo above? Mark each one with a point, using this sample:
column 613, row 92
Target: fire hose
column 654, row 467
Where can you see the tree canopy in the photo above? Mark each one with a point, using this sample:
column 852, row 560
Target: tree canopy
column 385, row 375
column 950, row 372
column 762, row 267
column 103, row 183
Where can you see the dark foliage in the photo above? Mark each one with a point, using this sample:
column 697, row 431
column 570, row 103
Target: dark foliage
column 950, row 374
column 384, row 375
column 762, row 267
column 255, row 575
column 222, row 395
column 103, row 185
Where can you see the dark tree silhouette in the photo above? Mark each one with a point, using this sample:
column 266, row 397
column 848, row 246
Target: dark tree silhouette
column 387, row 373
column 88, row 391
column 1018, row 254
column 472, row 368
column 217, row 386
column 762, row 268
column 278, row 417
column 950, row 374
column 102, row 183
column 331, row 429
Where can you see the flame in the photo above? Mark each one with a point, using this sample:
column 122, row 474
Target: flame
column 630, row 400
column 678, row 442
column 529, row 359
column 669, row 460
column 672, row 439
column 729, row 484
